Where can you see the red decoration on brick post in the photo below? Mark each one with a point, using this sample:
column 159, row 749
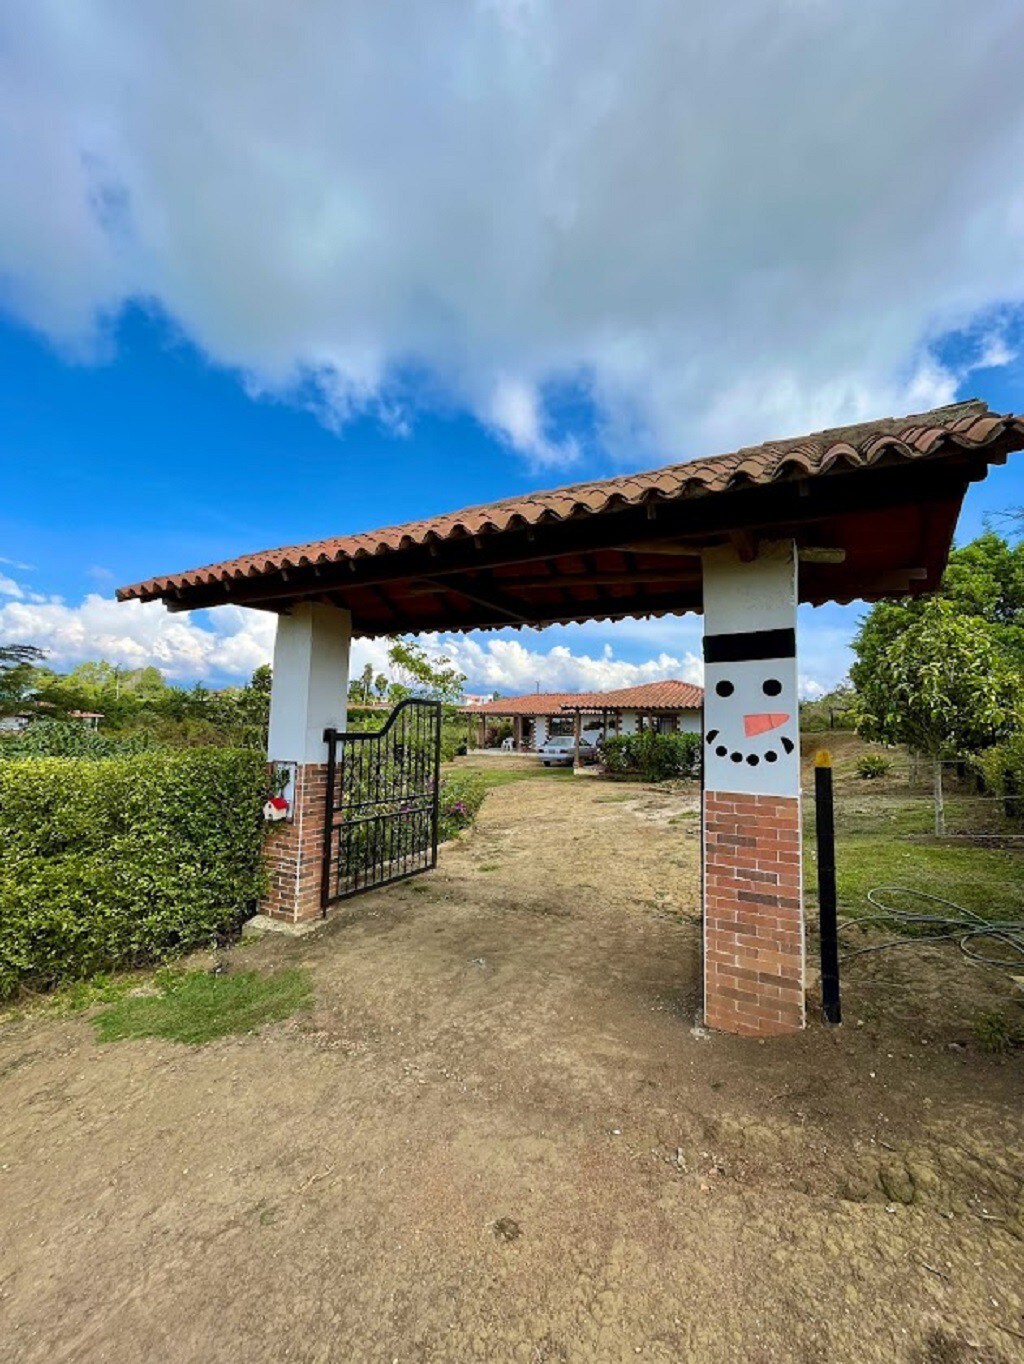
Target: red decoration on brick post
column 294, row 851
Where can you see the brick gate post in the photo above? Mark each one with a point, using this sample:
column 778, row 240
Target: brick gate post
column 309, row 695
column 753, row 903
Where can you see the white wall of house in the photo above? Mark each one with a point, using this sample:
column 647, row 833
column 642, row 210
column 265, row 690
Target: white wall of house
column 540, row 730
column 684, row 722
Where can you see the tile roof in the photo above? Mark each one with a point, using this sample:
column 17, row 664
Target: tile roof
column 966, row 426
column 668, row 695
column 533, row 703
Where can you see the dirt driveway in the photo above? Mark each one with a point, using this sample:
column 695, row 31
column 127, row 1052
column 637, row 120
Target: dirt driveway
column 497, row 1137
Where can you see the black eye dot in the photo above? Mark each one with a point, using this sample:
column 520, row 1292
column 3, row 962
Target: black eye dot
column 772, row 687
column 721, row 750
column 724, row 689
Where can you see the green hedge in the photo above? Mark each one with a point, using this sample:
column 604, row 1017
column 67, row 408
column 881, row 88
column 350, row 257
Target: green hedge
column 652, row 756
column 69, row 739
column 113, row 862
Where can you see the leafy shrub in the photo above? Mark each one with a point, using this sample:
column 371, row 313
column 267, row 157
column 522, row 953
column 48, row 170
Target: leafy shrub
column 115, row 862
column 652, row 756
column 69, row 739
column 873, row 765
column 459, row 800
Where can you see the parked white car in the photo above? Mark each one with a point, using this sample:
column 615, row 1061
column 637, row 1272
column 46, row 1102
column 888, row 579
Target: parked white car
column 560, row 751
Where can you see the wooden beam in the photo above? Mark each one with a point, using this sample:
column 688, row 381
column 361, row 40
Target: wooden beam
column 745, row 546
column 807, row 554
column 494, row 600
column 488, row 593
column 820, row 554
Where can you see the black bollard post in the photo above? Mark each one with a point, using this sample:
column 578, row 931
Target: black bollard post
column 824, row 821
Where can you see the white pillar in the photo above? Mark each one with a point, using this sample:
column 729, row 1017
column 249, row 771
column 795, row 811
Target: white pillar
column 753, row 913
column 310, row 686
column 309, row 694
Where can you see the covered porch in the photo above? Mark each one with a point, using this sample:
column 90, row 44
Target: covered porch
column 866, row 511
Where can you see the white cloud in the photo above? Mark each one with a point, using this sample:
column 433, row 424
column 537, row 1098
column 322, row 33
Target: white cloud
column 507, row 665
column 810, row 689
column 136, row 634
column 515, row 414
column 9, row 588
column 725, row 221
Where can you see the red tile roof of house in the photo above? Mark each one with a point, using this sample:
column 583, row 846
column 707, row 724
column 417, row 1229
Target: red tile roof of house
column 669, row 695
column 533, row 703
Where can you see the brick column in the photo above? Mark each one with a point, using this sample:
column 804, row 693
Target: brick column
column 293, row 851
column 309, row 695
column 753, row 921
column 753, row 906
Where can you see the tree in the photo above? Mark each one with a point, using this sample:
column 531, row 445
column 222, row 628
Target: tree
column 833, row 710
column 943, row 685
column 367, row 681
column 984, row 580
column 418, row 675
column 17, row 667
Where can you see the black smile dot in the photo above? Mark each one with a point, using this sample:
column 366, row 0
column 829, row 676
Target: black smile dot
column 724, row 689
column 721, row 750
column 736, row 757
column 771, row 756
column 772, row 687
column 712, row 735
column 753, row 759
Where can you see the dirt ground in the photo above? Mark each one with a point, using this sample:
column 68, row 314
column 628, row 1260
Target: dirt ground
column 499, row 1136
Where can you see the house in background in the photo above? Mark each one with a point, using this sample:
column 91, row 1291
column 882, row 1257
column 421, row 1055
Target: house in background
column 537, row 716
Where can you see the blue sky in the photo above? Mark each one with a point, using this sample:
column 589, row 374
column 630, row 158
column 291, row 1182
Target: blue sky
column 255, row 289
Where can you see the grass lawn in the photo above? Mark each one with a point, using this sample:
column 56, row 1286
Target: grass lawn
column 195, row 1006
column 989, row 881
column 886, row 840
column 491, row 774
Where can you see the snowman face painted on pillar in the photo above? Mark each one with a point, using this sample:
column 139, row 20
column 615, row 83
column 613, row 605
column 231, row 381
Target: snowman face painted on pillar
column 751, row 733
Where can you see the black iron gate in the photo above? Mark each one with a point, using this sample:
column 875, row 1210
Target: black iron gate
column 382, row 790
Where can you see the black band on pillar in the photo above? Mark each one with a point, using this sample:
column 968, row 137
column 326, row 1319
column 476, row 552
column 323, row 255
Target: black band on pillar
column 748, row 645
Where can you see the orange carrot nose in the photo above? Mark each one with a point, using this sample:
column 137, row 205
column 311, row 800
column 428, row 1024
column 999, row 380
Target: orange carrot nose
column 761, row 724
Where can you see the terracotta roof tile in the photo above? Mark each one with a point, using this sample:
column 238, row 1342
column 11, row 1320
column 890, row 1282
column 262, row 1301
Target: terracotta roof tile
column 533, row 703
column 667, row 695
column 966, row 425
